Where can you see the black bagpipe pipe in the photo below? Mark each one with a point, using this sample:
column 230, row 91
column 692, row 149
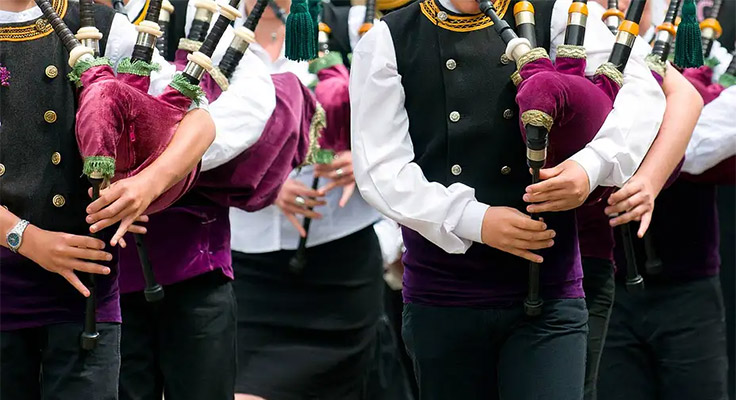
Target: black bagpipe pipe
column 90, row 335
column 298, row 261
column 200, row 25
column 627, row 33
column 148, row 33
column 280, row 14
column 244, row 36
column 370, row 16
column 613, row 16
column 710, row 28
column 577, row 19
column 731, row 70
column 666, row 31
column 164, row 20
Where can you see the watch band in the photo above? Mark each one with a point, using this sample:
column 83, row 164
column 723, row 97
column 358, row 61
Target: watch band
column 14, row 237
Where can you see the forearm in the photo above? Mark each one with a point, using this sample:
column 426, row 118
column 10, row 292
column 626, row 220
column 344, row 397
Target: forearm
column 191, row 139
column 680, row 116
column 7, row 222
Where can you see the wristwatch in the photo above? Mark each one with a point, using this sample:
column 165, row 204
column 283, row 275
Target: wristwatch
column 14, row 238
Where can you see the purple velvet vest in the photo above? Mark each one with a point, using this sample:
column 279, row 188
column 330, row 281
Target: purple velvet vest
column 684, row 231
column 466, row 75
column 183, row 242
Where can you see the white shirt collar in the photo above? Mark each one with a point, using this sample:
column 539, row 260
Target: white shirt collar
column 10, row 17
column 449, row 6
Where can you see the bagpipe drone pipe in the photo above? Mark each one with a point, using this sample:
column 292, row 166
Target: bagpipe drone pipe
column 561, row 110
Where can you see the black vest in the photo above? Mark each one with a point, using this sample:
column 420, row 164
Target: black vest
column 461, row 71
column 42, row 180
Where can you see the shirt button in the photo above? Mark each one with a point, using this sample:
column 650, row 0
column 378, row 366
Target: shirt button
column 505, row 170
column 56, row 158
column 451, row 64
column 52, row 72
column 505, row 59
column 49, row 116
column 2, row 169
column 508, row 113
column 442, row 16
column 454, row 116
column 58, row 201
column 456, row 170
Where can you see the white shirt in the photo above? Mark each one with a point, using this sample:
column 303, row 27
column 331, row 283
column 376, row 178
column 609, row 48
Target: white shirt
column 451, row 217
column 714, row 137
column 268, row 229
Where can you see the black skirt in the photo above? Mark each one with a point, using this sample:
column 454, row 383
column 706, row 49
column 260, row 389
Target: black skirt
column 310, row 335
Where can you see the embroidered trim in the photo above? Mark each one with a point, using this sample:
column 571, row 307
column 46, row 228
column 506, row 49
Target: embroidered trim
column 194, row 92
column 37, row 29
column 711, row 62
column 219, row 78
column 537, row 118
column 140, row 67
column 535, row 54
column 461, row 23
column 329, row 60
column 571, row 51
column 516, row 78
column 611, row 72
column 316, row 155
column 189, row 45
column 727, row 80
column 656, row 64
column 94, row 166
column 76, row 74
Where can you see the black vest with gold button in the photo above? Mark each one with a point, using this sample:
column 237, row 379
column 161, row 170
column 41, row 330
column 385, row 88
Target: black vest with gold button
column 42, row 179
column 463, row 119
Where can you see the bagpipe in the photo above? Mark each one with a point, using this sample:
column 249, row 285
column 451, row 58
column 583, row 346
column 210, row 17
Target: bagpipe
column 370, row 16
column 561, row 110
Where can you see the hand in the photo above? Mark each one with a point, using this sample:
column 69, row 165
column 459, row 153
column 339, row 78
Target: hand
column 562, row 188
column 135, row 229
column 633, row 202
column 124, row 201
column 63, row 253
column 286, row 201
column 340, row 170
column 512, row 231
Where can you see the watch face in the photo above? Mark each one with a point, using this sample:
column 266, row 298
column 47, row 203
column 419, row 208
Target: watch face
column 13, row 239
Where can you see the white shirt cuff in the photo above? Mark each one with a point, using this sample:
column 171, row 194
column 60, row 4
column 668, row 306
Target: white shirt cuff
column 470, row 225
column 592, row 164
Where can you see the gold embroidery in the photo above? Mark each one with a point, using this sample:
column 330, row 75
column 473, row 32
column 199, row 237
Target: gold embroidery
column 33, row 30
column 460, row 23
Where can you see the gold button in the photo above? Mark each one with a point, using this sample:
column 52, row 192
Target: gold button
column 505, row 59
column 454, row 116
column 505, row 170
column 41, row 24
column 456, row 170
column 56, row 158
column 442, row 16
column 451, row 64
column 2, row 169
column 49, row 116
column 508, row 113
column 58, row 200
column 52, row 72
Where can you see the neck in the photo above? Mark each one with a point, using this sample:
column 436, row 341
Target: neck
column 270, row 34
column 16, row 5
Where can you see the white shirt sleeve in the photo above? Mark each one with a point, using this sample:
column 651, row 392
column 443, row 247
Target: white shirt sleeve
column 356, row 17
column 241, row 112
column 721, row 54
column 120, row 44
column 388, row 179
column 714, row 137
column 620, row 145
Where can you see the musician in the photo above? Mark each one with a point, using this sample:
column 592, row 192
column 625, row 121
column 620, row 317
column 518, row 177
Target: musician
column 424, row 82
column 312, row 333
column 41, row 309
column 669, row 340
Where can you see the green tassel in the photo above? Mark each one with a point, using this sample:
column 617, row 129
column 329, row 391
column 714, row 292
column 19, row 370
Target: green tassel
column 329, row 60
column 688, row 44
column 75, row 75
column 99, row 165
column 727, row 80
column 194, row 92
column 140, row 67
column 301, row 44
column 315, row 9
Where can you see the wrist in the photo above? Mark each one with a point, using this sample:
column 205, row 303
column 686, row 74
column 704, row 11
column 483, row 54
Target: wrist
column 30, row 235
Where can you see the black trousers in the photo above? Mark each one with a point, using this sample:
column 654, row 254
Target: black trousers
column 600, row 287
column 468, row 354
column 666, row 342
column 184, row 346
column 48, row 363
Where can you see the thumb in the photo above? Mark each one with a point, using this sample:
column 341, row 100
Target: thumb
column 547, row 173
